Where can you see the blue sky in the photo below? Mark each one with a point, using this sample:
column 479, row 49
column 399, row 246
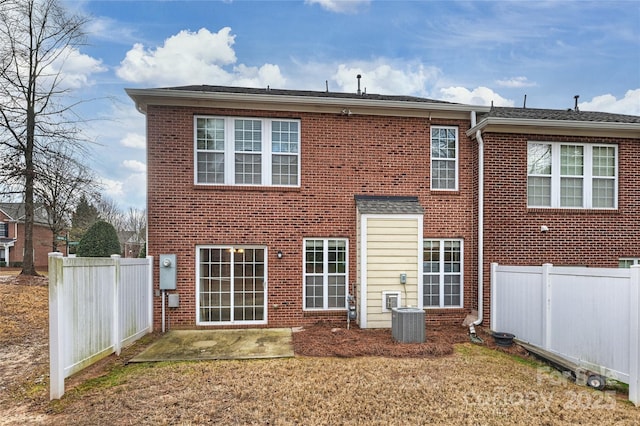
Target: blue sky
column 474, row 52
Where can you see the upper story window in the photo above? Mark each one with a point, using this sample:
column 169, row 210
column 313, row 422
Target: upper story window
column 444, row 158
column 247, row 151
column 572, row 175
column 4, row 229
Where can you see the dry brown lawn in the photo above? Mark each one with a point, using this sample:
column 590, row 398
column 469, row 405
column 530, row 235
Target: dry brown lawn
column 469, row 384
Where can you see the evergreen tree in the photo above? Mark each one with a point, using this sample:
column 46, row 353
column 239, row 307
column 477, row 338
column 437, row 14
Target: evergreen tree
column 83, row 218
column 101, row 240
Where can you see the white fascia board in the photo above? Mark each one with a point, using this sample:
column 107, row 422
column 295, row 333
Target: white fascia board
column 558, row 127
column 144, row 97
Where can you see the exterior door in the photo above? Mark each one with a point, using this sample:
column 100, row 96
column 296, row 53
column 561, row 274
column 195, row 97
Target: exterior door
column 231, row 285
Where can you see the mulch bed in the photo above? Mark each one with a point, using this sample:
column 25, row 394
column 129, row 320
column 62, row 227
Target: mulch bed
column 325, row 339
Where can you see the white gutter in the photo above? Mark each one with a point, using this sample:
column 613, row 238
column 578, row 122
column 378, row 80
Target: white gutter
column 480, row 222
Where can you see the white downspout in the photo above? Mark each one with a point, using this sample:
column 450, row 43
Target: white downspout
column 480, row 224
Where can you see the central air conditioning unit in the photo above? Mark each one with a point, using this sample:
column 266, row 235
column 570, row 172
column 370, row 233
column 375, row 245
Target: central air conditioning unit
column 407, row 325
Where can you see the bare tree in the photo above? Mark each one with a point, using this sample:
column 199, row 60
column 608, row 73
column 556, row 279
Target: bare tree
column 62, row 180
column 110, row 212
column 36, row 37
column 136, row 222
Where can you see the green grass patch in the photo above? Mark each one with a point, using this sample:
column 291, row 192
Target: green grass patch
column 473, row 350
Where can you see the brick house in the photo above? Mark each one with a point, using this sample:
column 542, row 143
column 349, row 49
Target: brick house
column 278, row 204
column 12, row 236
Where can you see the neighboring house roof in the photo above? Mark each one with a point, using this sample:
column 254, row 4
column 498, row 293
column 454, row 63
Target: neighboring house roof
column 130, row 237
column 373, row 204
column 15, row 213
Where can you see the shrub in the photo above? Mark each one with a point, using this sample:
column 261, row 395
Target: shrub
column 101, row 240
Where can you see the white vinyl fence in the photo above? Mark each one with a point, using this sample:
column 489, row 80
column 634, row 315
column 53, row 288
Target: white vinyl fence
column 96, row 306
column 589, row 316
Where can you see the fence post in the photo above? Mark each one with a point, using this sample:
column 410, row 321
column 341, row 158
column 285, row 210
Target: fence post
column 56, row 328
column 546, row 308
column 150, row 283
column 494, row 296
column 116, row 304
column 634, row 337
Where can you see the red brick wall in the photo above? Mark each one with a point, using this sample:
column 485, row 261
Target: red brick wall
column 341, row 157
column 595, row 238
column 42, row 242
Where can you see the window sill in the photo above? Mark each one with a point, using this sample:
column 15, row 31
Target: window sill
column 442, row 308
column 571, row 211
column 446, row 192
column 326, row 313
column 246, row 188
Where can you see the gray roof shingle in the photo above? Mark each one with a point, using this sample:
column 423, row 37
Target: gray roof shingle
column 15, row 211
column 558, row 114
column 375, row 204
column 307, row 93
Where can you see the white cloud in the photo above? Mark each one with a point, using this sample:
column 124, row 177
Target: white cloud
column 135, row 166
column 266, row 75
column 629, row 104
column 380, row 77
column 113, row 188
column 130, row 191
column 70, row 69
column 340, row 6
column 195, row 58
column 134, row 140
column 515, row 82
column 478, row 96
column 108, row 29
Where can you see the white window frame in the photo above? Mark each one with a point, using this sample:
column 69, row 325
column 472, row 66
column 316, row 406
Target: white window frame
column 232, row 285
column 587, row 176
column 456, row 159
column 442, row 274
column 266, row 153
column 634, row 261
column 325, row 274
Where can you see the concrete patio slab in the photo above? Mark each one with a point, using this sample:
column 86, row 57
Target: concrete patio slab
column 192, row 345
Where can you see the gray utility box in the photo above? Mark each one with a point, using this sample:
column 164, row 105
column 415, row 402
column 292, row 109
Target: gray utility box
column 407, row 325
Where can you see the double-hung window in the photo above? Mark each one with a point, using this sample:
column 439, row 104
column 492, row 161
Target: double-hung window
column 325, row 273
column 444, row 158
column 442, row 274
column 247, row 151
column 570, row 175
